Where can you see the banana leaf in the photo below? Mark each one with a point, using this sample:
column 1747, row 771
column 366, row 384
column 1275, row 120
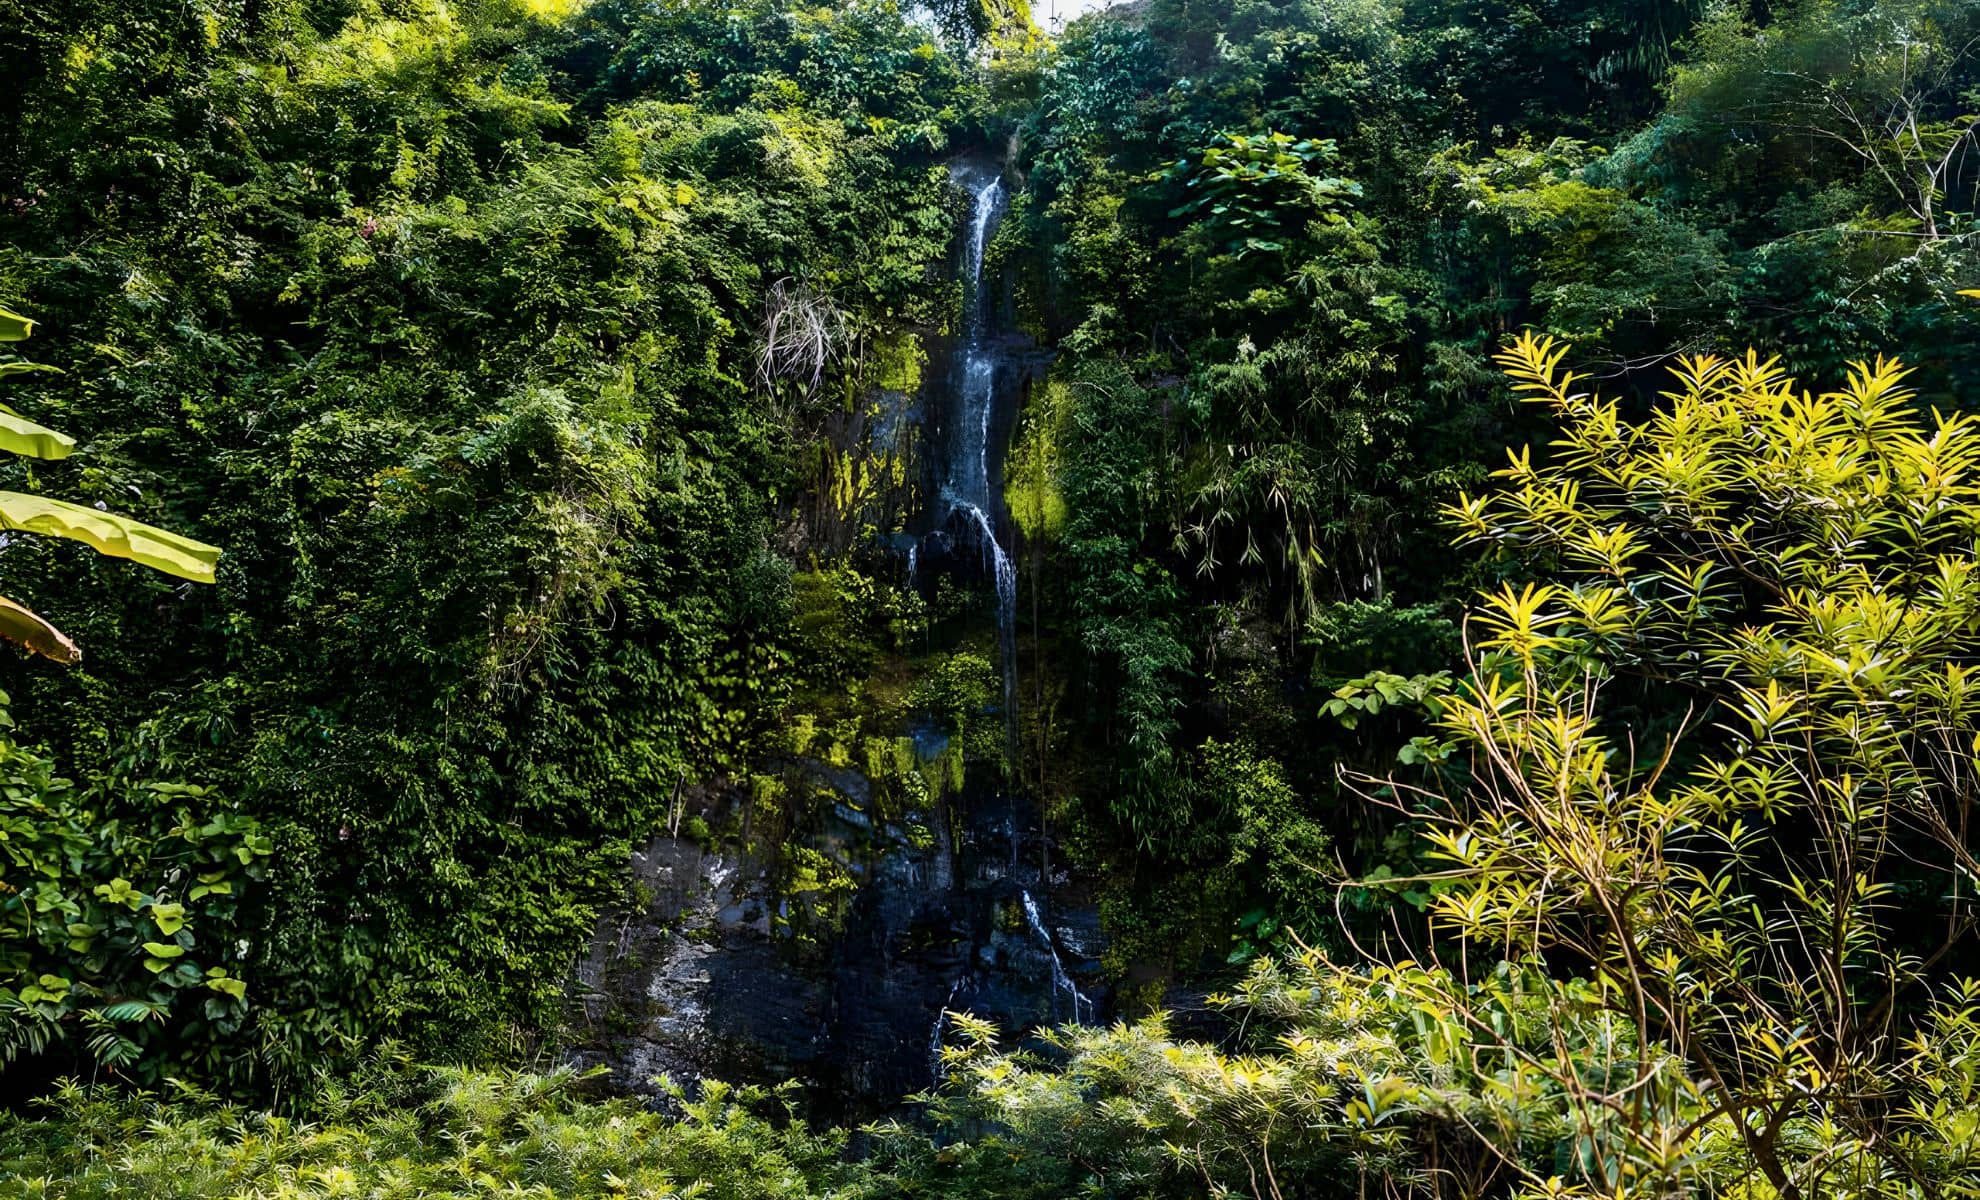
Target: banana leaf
column 20, row 624
column 21, row 436
column 108, row 533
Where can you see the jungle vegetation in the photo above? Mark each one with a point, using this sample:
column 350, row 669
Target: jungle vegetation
column 1500, row 549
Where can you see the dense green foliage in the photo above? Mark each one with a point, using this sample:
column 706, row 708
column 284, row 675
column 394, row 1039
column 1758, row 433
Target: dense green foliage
column 1276, row 243
column 547, row 371
column 105, row 532
column 122, row 924
column 398, row 1131
column 442, row 320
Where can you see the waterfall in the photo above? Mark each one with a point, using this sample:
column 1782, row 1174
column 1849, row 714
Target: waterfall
column 1061, row 980
column 968, row 498
column 998, row 566
column 967, row 488
column 936, row 1067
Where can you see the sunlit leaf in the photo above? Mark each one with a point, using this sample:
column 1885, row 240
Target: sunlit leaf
column 108, row 533
column 21, row 436
column 170, row 918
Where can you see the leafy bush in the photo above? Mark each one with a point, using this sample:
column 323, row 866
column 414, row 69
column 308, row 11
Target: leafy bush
column 403, row 1131
column 121, row 942
column 1274, row 243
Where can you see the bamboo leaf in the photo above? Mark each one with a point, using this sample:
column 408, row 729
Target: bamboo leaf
column 108, row 533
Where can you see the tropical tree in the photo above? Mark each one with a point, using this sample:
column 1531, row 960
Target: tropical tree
column 1765, row 896
column 106, row 533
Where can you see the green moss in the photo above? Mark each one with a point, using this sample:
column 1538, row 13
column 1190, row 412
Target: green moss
column 894, row 362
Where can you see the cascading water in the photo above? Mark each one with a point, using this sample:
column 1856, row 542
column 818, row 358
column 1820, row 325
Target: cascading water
column 936, row 1067
column 1082, row 1007
column 951, row 915
column 966, row 491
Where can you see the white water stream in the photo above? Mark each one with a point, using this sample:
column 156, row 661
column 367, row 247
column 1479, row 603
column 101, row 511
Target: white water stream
column 966, row 491
column 966, row 497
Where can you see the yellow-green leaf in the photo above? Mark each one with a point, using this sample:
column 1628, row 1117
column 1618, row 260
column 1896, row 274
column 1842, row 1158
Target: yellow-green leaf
column 120, row 891
column 108, row 533
column 22, row 625
column 25, row 438
column 170, row 918
column 13, row 326
column 164, row 949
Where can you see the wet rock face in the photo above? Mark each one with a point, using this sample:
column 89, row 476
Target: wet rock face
column 702, row 979
column 657, row 992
